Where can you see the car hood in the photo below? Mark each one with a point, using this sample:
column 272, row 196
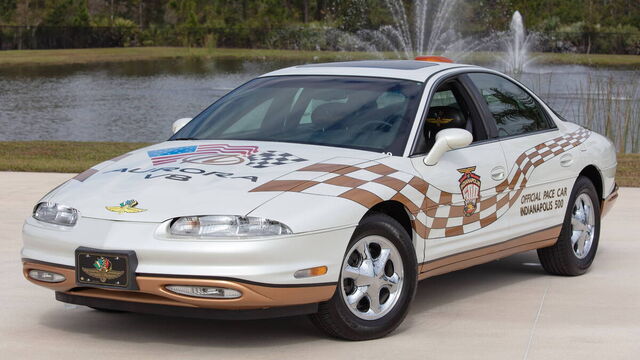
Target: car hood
column 182, row 178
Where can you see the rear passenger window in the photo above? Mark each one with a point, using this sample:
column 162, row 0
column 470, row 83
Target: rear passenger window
column 513, row 109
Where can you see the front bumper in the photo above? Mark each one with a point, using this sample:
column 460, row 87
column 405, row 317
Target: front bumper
column 152, row 291
column 272, row 260
column 262, row 269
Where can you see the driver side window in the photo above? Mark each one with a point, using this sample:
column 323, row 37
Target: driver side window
column 447, row 109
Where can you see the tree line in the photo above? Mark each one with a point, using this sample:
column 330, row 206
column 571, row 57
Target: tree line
column 281, row 23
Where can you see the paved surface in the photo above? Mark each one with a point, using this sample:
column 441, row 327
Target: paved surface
column 507, row 309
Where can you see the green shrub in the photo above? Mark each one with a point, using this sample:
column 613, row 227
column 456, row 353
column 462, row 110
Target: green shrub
column 126, row 31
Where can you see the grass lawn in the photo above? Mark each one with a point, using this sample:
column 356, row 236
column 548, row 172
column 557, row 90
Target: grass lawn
column 75, row 157
column 590, row 59
column 100, row 55
column 628, row 173
column 87, row 56
column 59, row 156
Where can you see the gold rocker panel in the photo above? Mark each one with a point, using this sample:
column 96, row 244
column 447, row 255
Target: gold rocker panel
column 485, row 254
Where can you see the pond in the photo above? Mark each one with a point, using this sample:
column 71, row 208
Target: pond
column 138, row 100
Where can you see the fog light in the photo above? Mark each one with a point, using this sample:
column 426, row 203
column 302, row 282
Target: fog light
column 204, row 291
column 314, row 271
column 46, row 276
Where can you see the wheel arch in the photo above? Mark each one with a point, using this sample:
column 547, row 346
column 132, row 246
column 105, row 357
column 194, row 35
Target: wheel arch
column 397, row 211
column 592, row 173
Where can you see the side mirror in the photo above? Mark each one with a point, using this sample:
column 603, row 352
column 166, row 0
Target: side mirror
column 447, row 139
column 178, row 124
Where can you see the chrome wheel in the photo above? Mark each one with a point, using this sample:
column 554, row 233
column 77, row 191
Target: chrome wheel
column 582, row 226
column 372, row 277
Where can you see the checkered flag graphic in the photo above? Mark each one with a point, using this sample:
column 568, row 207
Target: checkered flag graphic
column 272, row 158
column 436, row 213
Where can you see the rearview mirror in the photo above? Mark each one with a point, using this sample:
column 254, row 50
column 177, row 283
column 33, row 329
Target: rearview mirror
column 178, row 124
column 447, row 139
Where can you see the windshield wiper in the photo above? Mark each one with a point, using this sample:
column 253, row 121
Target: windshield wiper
column 184, row 138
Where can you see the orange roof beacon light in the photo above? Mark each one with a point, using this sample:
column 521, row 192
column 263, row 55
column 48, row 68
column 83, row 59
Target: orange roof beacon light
column 434, row 58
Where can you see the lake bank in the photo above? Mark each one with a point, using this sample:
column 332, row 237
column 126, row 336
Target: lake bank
column 107, row 55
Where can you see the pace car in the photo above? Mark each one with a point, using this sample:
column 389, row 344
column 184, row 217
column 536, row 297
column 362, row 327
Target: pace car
column 329, row 190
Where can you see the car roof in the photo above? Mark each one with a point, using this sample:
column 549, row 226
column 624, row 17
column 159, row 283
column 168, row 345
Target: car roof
column 397, row 69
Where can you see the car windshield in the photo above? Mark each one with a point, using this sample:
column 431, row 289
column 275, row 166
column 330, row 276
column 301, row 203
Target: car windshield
column 373, row 114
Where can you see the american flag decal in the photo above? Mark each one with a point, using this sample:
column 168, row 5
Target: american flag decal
column 166, row 156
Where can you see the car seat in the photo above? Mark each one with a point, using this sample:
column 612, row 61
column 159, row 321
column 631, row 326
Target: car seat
column 325, row 116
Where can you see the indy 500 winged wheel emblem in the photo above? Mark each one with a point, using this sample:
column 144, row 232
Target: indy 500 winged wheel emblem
column 128, row 206
column 102, row 269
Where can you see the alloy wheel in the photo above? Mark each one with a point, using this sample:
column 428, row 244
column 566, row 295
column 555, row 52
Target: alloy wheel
column 582, row 226
column 372, row 277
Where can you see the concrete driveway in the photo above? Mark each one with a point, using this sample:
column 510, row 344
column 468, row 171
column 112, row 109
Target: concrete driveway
column 507, row 309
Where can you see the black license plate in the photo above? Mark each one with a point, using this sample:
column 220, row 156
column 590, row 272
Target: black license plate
column 108, row 269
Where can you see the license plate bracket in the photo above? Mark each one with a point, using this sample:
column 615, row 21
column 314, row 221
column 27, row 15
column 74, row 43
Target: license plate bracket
column 113, row 269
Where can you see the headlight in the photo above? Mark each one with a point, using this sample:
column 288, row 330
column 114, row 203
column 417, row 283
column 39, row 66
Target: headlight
column 226, row 226
column 55, row 214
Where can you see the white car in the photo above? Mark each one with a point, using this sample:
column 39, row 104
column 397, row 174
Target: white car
column 330, row 190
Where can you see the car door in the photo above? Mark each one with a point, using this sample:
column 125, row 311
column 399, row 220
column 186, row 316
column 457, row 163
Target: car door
column 462, row 210
column 539, row 170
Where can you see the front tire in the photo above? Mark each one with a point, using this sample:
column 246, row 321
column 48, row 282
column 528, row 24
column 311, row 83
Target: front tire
column 577, row 244
column 377, row 284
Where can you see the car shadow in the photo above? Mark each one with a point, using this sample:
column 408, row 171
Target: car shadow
column 432, row 293
column 444, row 289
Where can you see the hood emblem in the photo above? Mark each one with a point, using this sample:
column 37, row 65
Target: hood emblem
column 128, row 206
column 222, row 154
column 202, row 154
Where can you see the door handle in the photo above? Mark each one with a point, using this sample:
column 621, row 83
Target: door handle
column 498, row 173
column 566, row 160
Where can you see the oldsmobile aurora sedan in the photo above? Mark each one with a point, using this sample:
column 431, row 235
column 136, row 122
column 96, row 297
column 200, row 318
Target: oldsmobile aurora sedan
column 328, row 190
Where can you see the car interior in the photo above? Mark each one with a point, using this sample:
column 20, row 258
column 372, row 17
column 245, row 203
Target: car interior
column 365, row 118
column 448, row 109
column 361, row 118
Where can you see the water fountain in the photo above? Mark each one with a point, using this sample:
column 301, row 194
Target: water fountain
column 427, row 29
column 423, row 34
column 516, row 45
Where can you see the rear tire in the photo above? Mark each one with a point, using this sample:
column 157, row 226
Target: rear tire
column 377, row 284
column 577, row 244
